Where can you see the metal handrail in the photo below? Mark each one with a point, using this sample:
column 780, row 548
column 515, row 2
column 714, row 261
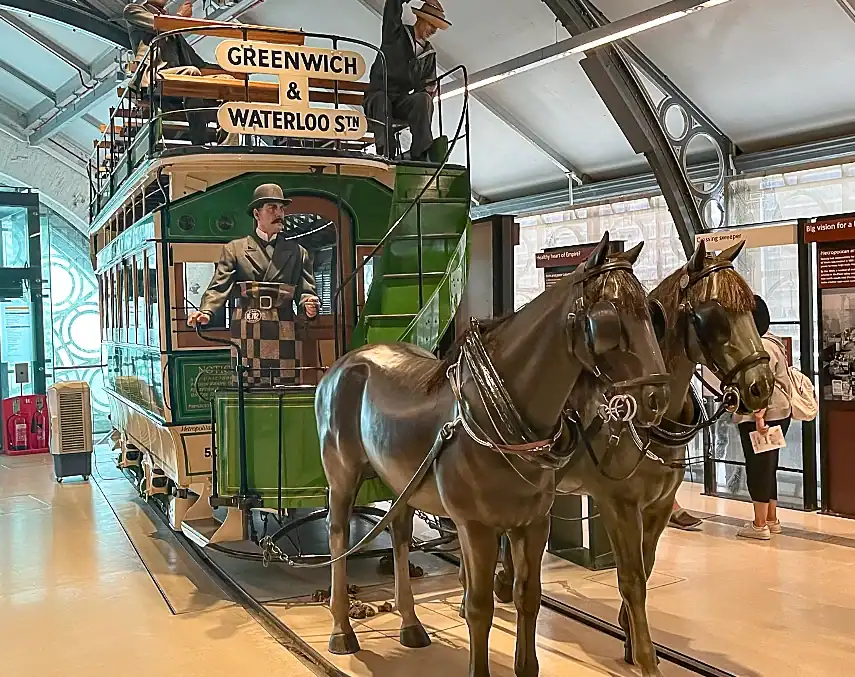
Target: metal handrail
column 464, row 117
column 148, row 61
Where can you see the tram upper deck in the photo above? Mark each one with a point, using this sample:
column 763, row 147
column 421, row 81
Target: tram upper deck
column 162, row 208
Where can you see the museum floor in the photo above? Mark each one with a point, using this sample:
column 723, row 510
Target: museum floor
column 88, row 571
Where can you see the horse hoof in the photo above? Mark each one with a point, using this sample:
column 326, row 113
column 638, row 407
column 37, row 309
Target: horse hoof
column 344, row 643
column 416, row 571
column 462, row 611
column 504, row 591
column 415, row 637
column 627, row 656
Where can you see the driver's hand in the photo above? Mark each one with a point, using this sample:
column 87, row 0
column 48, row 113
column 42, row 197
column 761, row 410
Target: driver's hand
column 312, row 307
column 198, row 318
column 186, row 9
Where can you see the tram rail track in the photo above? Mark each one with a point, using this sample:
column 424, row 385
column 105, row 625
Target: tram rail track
column 320, row 665
column 288, row 638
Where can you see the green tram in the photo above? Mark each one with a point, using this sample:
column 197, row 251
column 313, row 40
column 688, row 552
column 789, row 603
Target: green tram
column 388, row 241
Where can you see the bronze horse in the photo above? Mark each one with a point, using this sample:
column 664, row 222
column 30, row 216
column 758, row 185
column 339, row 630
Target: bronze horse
column 380, row 408
column 707, row 308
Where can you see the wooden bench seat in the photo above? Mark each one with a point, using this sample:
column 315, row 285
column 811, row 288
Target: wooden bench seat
column 259, row 91
column 228, row 30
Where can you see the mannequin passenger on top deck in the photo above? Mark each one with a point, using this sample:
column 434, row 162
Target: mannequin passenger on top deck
column 175, row 56
column 411, row 78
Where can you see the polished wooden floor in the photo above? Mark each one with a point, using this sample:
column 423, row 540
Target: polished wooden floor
column 88, row 571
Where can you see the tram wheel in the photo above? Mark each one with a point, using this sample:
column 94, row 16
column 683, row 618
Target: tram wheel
column 59, row 480
column 86, row 478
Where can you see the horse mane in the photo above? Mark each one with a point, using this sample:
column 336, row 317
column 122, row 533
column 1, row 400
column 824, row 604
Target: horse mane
column 629, row 297
column 732, row 293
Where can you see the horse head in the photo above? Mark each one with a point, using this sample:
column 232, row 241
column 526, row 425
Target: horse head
column 613, row 335
column 708, row 311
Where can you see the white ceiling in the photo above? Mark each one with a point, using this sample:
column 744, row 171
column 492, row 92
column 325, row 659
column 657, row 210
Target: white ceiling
column 768, row 72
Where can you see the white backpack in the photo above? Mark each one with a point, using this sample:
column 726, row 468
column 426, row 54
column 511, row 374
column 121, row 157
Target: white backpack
column 801, row 393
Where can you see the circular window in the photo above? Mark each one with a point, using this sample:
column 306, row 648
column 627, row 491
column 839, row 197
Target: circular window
column 187, row 222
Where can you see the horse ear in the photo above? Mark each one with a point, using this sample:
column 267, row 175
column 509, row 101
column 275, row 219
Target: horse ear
column 733, row 252
column 632, row 254
column 696, row 263
column 600, row 254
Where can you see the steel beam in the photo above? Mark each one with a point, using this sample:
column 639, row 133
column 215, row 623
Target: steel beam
column 658, row 77
column 557, row 158
column 103, row 68
column 65, row 12
column 792, row 158
column 32, row 83
column 609, row 72
column 44, row 41
column 74, row 110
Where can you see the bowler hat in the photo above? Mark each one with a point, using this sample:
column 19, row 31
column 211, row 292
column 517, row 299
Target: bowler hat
column 267, row 192
column 432, row 12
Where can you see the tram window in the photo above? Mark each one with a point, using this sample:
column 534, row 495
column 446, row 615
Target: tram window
column 130, row 304
column 197, row 277
column 121, row 305
column 144, row 298
column 324, row 273
column 140, row 287
column 153, row 306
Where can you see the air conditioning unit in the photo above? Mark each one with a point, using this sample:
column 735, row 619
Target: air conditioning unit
column 70, row 429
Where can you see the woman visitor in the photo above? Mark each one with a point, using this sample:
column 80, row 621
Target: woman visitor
column 761, row 467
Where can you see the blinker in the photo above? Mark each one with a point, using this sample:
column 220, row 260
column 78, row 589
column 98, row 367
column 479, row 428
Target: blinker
column 603, row 328
column 658, row 318
column 712, row 323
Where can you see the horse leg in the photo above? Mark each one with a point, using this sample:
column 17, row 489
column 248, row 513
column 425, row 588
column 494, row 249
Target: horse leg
column 344, row 485
column 527, row 546
column 624, row 523
column 412, row 634
column 480, row 549
column 461, row 576
column 655, row 519
column 503, row 585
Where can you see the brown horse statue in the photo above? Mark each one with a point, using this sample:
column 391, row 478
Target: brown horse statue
column 707, row 313
column 397, row 412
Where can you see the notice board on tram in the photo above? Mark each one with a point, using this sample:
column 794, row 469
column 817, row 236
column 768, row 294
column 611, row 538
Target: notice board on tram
column 835, row 276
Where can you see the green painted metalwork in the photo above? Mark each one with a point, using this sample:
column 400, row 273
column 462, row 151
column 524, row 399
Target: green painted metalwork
column 195, row 377
column 409, row 302
column 219, row 213
column 269, row 414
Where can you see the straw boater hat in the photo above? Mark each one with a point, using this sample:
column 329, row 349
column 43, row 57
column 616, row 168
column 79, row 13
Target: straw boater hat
column 432, row 12
column 267, row 192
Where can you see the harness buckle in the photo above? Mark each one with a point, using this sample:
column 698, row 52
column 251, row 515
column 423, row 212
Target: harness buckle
column 265, row 302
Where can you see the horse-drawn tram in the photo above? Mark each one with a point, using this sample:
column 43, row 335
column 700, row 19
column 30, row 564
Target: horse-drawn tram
column 276, row 277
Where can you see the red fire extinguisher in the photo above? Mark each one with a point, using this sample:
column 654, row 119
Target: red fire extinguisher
column 16, row 429
column 38, row 426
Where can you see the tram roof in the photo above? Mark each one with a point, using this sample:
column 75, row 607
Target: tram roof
column 770, row 73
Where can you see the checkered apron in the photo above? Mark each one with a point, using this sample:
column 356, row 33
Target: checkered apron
column 263, row 325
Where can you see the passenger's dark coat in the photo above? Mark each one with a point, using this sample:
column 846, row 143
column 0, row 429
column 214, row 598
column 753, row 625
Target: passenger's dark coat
column 245, row 260
column 173, row 51
column 406, row 72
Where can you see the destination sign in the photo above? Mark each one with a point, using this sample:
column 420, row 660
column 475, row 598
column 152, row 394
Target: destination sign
column 290, row 60
column 320, row 123
column 294, row 116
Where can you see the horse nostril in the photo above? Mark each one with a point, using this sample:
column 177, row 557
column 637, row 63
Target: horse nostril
column 653, row 401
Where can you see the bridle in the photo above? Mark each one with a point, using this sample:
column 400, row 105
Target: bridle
column 594, row 332
column 708, row 317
